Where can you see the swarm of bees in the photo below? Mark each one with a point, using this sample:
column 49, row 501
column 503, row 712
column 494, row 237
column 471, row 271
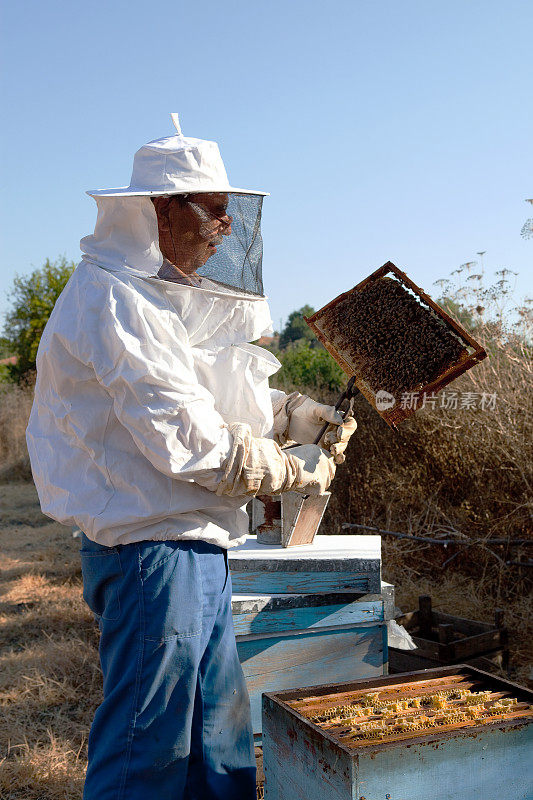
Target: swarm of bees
column 370, row 718
column 394, row 342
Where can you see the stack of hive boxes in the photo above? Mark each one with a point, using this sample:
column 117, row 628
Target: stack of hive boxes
column 309, row 615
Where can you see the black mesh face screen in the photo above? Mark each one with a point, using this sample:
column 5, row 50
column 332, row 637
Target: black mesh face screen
column 237, row 263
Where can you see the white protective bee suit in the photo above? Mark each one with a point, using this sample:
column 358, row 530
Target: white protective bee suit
column 153, row 423
column 150, row 393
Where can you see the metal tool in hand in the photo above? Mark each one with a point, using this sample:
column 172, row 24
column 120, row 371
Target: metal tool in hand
column 349, row 394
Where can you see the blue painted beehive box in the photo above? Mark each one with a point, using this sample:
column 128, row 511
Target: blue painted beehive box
column 309, row 613
column 332, row 564
column 288, row 640
column 328, row 743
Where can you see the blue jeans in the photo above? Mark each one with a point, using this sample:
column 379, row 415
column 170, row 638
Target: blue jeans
column 175, row 720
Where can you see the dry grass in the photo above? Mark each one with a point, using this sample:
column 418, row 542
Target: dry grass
column 467, row 470
column 49, row 676
column 451, row 472
column 460, row 474
column 15, row 407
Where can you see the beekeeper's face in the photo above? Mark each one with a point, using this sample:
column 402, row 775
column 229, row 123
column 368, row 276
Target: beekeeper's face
column 191, row 227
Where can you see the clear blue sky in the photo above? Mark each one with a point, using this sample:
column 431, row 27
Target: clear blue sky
column 383, row 129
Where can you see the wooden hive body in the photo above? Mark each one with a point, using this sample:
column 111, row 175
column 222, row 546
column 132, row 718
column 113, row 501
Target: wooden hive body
column 488, row 761
column 330, row 564
column 309, row 613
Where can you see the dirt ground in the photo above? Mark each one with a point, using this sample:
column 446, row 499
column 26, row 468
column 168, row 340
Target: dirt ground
column 50, row 681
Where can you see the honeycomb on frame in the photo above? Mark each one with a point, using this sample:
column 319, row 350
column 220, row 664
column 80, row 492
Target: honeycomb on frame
column 376, row 716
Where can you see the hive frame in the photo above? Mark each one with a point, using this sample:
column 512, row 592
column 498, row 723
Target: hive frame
column 397, row 414
column 462, row 676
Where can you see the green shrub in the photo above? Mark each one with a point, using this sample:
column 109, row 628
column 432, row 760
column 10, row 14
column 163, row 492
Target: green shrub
column 304, row 365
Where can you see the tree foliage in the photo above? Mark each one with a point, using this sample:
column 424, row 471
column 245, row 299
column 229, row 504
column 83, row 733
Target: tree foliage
column 308, row 366
column 5, row 350
column 32, row 299
column 297, row 330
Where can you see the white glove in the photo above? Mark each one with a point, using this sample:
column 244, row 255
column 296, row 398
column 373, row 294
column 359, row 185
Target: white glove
column 336, row 438
column 307, row 417
column 316, row 469
column 258, row 465
column 281, row 418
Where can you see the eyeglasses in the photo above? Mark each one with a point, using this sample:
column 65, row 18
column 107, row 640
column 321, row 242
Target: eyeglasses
column 205, row 214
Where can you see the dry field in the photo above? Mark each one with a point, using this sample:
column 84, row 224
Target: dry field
column 49, row 676
column 464, row 474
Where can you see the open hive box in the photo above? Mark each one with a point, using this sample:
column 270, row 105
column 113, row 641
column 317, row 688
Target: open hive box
column 447, row 733
column 397, row 342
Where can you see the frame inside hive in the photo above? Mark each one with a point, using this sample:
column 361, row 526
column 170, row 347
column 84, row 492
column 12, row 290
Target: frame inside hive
column 326, row 328
column 327, row 708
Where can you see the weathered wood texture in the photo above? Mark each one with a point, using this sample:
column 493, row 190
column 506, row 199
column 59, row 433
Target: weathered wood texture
column 252, row 611
column 303, row 762
column 305, row 658
column 309, row 613
column 275, row 648
column 330, row 564
column 290, row 581
column 247, row 603
column 446, row 639
column 301, row 618
column 299, row 765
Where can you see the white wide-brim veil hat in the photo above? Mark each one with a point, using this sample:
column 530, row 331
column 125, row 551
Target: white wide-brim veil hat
column 126, row 233
column 176, row 165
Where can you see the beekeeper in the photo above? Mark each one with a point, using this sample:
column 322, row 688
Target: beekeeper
column 153, row 424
